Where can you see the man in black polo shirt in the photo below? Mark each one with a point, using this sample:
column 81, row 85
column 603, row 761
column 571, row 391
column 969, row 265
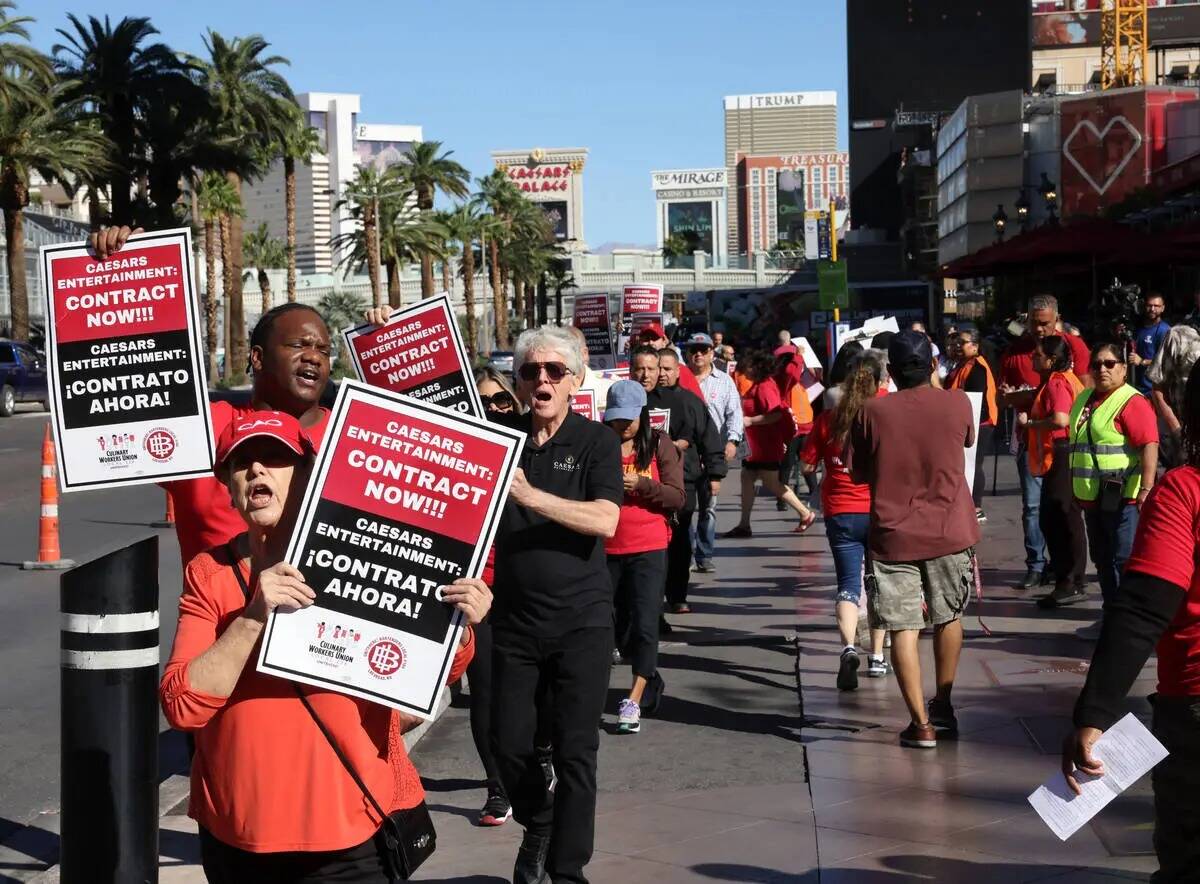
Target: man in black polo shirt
column 553, row 617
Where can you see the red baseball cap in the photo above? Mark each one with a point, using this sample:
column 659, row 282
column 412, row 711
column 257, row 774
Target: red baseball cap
column 274, row 424
column 654, row 331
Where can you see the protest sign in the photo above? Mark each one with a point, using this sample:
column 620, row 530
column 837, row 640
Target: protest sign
column 405, row 498
column 584, row 402
column 660, row 419
column 594, row 319
column 970, row 454
column 418, row 352
column 639, row 322
column 125, row 363
column 638, row 298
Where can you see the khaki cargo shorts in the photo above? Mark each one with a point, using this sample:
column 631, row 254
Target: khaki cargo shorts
column 913, row 595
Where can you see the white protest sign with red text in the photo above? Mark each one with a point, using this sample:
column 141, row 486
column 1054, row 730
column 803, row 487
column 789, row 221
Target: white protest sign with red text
column 405, row 498
column 594, row 319
column 418, row 352
column 128, row 392
column 660, row 419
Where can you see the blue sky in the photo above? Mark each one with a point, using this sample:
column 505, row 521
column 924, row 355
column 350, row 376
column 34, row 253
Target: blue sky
column 639, row 84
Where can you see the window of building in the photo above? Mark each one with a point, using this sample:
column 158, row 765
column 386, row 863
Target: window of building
column 818, row 188
column 772, row 217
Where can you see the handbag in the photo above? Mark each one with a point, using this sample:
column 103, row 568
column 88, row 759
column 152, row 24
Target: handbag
column 407, row 837
column 1112, row 491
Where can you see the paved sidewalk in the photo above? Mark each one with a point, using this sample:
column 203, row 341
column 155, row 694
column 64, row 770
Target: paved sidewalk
column 757, row 769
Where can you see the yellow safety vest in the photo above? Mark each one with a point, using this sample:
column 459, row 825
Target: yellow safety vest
column 1108, row 455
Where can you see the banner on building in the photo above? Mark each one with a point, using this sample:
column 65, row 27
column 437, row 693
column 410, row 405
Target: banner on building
column 125, row 363
column 404, row 499
column 418, row 352
column 594, row 319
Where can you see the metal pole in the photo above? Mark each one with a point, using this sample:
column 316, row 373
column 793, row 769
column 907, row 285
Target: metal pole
column 378, row 294
column 110, row 718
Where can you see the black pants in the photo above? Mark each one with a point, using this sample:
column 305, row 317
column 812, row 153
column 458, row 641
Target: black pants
column 574, row 669
column 638, row 586
column 791, row 465
column 1061, row 521
column 224, row 864
column 1176, row 782
column 479, row 674
column 982, row 449
column 679, row 551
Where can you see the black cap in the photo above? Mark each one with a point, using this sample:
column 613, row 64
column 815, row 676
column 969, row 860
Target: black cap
column 909, row 349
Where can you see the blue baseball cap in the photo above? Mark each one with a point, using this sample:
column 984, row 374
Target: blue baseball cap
column 626, row 399
column 699, row 339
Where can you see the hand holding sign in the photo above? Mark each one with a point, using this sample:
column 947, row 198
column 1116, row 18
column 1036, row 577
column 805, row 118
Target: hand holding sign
column 280, row 588
column 471, row 596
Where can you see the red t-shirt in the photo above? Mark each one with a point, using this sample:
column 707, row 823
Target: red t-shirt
column 641, row 527
column 767, row 442
column 839, row 493
column 1167, row 540
column 204, row 514
column 1016, row 365
column 1058, row 397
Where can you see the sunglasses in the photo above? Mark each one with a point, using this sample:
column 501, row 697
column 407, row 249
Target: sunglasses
column 532, row 371
column 501, row 401
column 699, row 348
column 1110, row 364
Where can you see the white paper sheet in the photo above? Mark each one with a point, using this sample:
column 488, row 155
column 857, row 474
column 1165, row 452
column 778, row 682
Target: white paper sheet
column 1127, row 749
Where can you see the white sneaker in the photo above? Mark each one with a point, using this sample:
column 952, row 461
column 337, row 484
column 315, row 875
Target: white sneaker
column 629, row 717
column 877, row 667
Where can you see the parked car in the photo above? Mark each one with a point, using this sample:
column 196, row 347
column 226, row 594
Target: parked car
column 501, row 361
column 22, row 376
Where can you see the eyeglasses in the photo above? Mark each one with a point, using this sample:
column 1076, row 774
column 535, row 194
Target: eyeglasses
column 532, row 371
column 501, row 401
column 1110, row 364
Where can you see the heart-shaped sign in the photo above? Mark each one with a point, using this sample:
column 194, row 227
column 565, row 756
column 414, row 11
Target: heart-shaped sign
column 1131, row 145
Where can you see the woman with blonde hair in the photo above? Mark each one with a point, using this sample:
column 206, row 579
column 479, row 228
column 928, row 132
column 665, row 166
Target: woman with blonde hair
column 847, row 508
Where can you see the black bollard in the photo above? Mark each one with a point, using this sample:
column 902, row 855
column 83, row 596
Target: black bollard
column 110, row 718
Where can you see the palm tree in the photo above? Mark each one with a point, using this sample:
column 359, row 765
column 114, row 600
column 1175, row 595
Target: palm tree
column 559, row 277
column 674, row 246
column 300, row 141
column 23, row 70
column 500, row 197
column 263, row 252
column 43, row 135
column 447, row 250
column 464, row 225
column 426, row 173
column 215, row 198
column 116, row 70
column 247, row 97
column 529, row 248
column 366, row 194
column 229, row 205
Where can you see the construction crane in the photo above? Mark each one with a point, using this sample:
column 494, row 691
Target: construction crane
column 1123, row 43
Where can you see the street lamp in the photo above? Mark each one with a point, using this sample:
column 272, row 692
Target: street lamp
column 1022, row 207
column 1050, row 195
column 999, row 220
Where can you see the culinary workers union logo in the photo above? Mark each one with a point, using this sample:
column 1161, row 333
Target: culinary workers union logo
column 385, row 657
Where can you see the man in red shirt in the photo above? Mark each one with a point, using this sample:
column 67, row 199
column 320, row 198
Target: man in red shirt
column 1018, row 382
column 1158, row 601
column 909, row 447
column 289, row 356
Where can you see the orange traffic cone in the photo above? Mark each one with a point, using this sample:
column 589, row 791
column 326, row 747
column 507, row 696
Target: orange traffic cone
column 49, row 556
column 167, row 521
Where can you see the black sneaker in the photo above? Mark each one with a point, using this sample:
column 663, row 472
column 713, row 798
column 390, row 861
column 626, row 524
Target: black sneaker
column 941, row 716
column 1062, row 596
column 705, row 568
column 496, row 810
column 530, row 867
column 980, row 516
column 1049, row 578
column 847, row 677
column 653, row 694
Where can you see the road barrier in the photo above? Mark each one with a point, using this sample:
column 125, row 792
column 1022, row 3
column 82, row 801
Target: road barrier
column 110, row 718
column 49, row 555
column 168, row 520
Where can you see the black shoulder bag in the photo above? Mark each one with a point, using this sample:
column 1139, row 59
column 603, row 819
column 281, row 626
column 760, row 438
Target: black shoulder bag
column 407, row 837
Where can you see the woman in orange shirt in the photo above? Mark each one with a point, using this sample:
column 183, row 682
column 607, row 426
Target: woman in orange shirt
column 273, row 801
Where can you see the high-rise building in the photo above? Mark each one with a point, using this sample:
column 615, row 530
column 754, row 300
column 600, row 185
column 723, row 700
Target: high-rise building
column 775, row 123
column 775, row 190
column 345, row 144
column 552, row 177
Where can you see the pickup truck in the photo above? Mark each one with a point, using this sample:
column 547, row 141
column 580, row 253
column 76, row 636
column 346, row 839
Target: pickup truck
column 22, row 376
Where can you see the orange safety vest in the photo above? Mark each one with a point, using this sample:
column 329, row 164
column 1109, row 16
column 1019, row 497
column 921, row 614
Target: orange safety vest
column 959, row 377
column 802, row 409
column 742, row 383
column 1039, row 442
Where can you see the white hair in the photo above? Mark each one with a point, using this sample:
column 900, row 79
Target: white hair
column 549, row 337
